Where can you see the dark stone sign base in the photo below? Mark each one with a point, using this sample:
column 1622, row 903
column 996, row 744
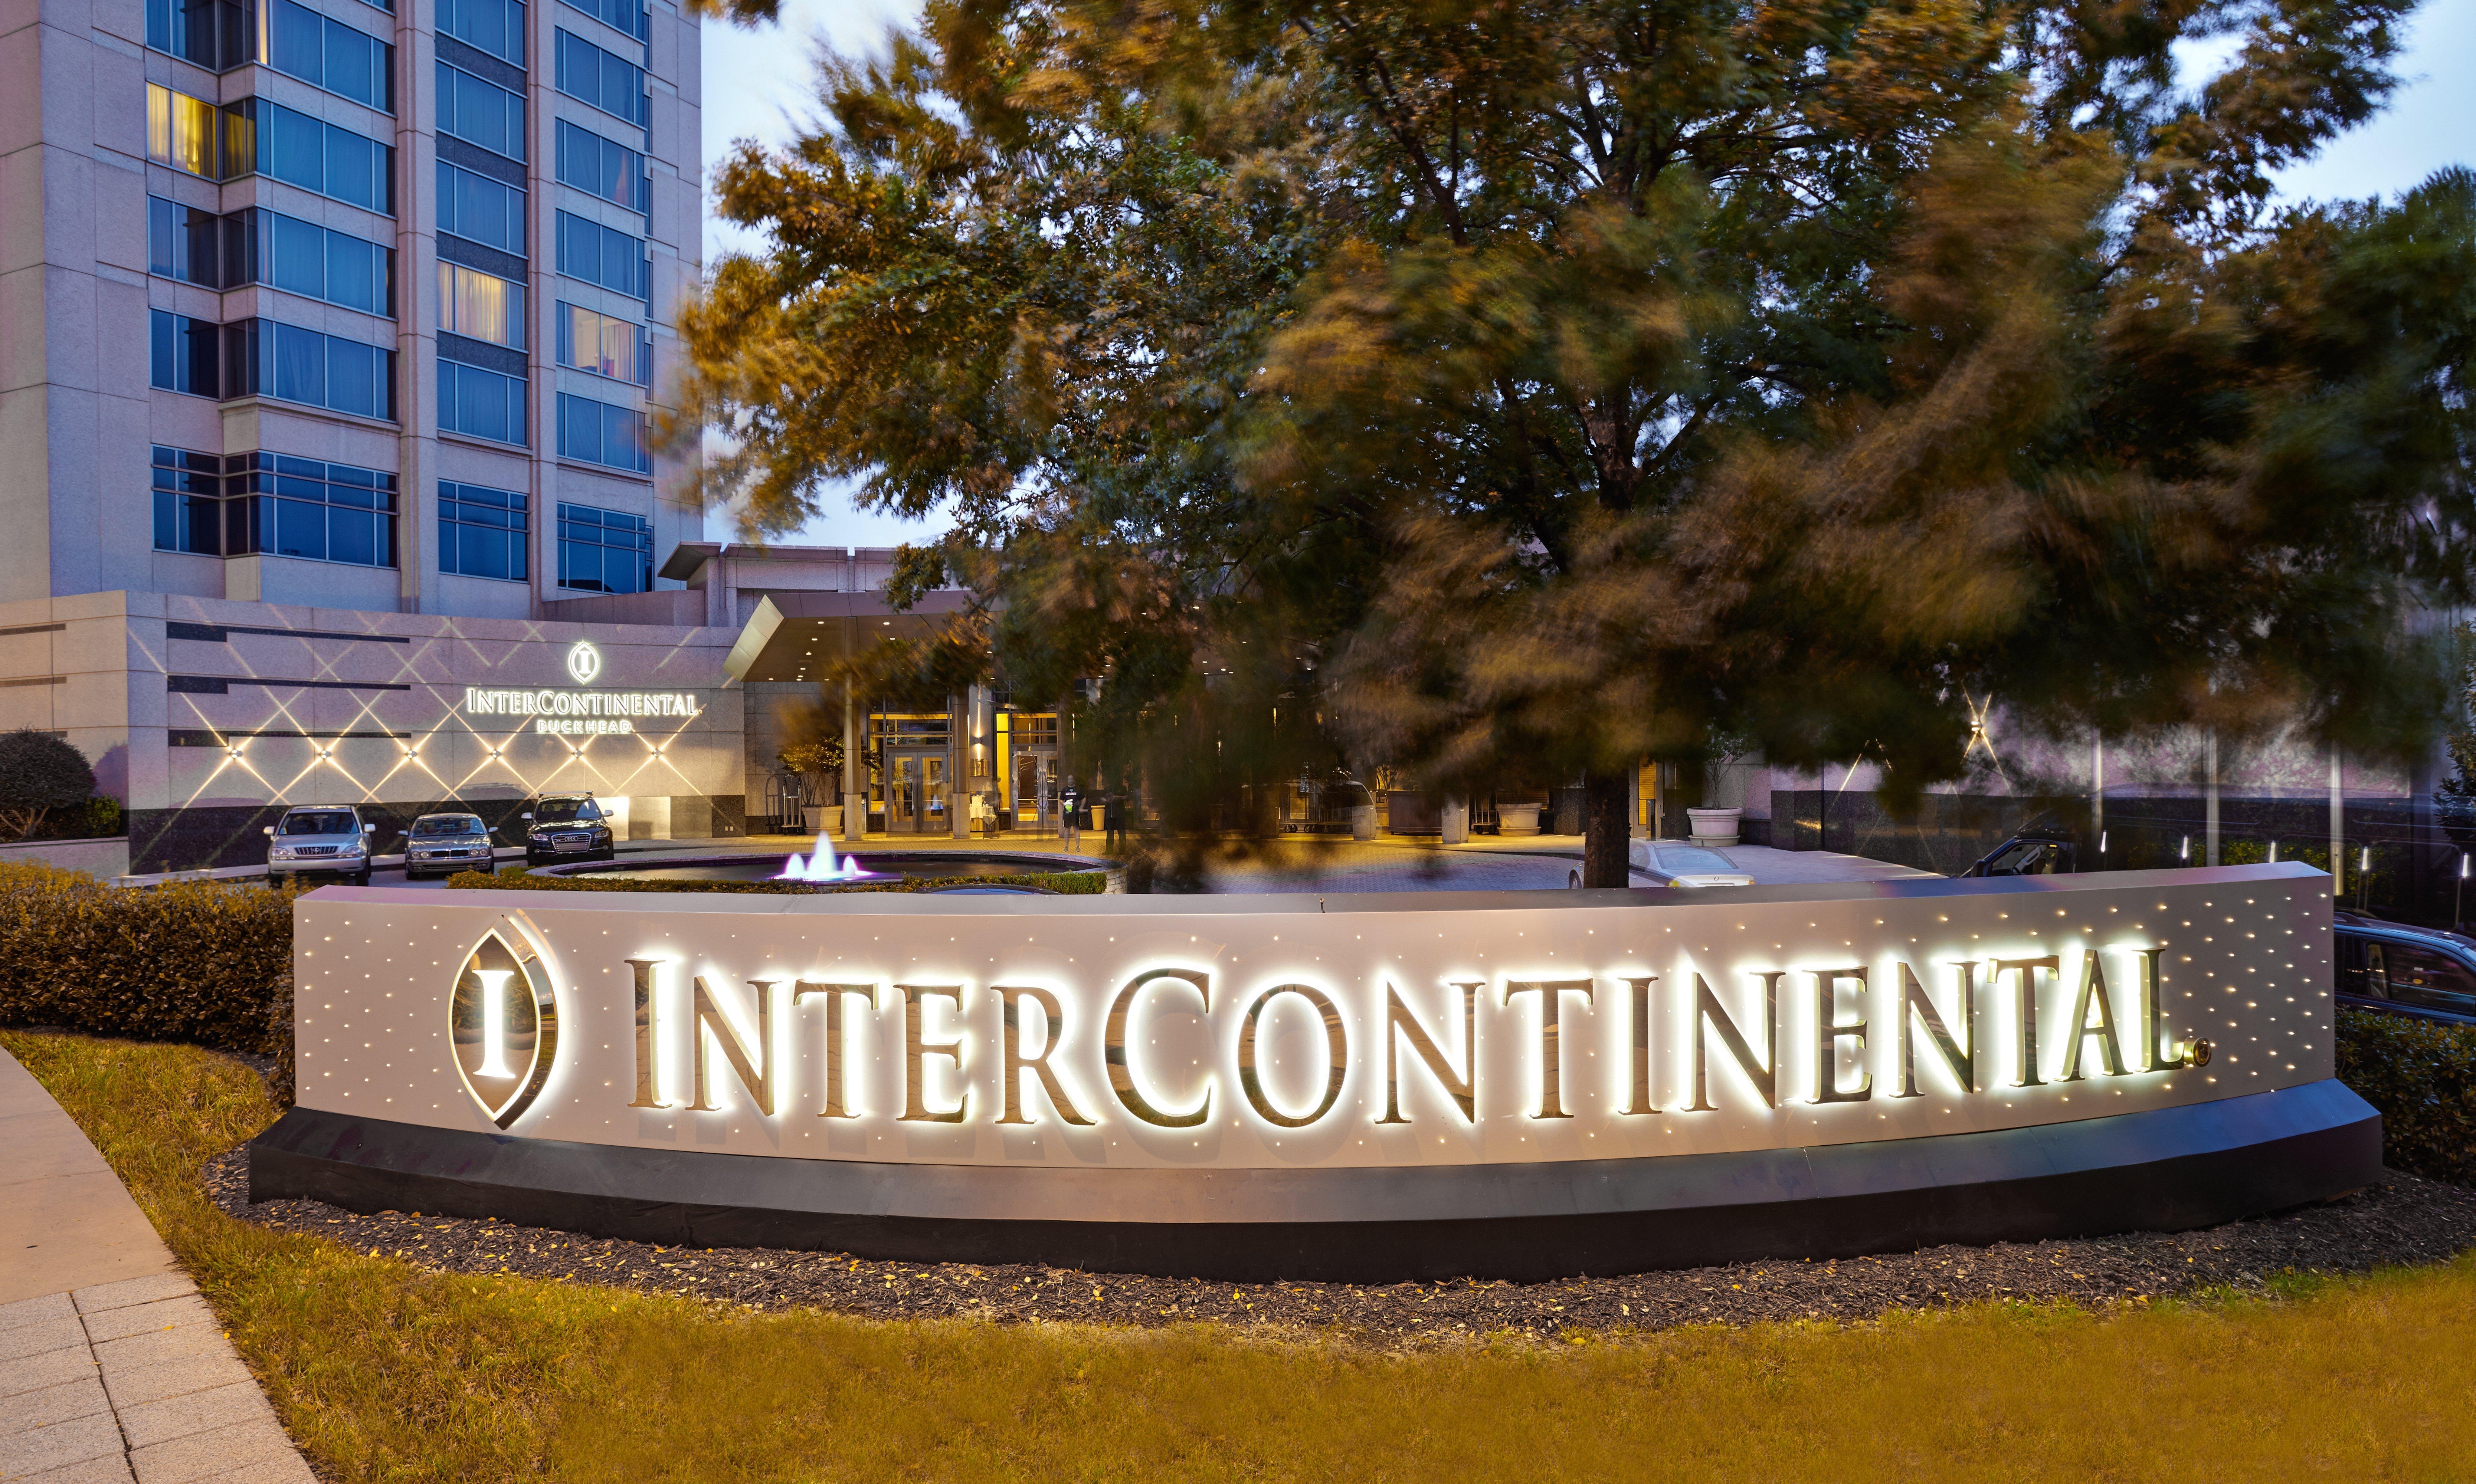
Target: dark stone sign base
column 2171, row 1168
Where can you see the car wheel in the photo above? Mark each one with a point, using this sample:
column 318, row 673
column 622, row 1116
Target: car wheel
column 361, row 877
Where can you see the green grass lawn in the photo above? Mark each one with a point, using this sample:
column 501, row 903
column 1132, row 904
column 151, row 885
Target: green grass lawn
column 383, row 1371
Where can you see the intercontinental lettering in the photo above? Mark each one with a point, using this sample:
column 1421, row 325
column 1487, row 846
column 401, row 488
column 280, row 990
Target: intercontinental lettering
column 1609, row 1046
column 580, row 714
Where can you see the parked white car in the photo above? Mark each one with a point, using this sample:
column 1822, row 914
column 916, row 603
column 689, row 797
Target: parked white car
column 1679, row 864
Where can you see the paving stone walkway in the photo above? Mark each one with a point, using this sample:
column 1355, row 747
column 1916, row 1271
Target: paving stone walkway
column 112, row 1367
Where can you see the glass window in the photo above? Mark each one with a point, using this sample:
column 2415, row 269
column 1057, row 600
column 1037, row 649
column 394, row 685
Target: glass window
column 328, row 824
column 183, row 354
column 591, row 75
column 288, row 506
column 604, row 551
column 326, row 53
column 596, row 254
column 598, row 433
column 481, row 112
column 482, row 533
column 605, row 345
column 2427, row 977
column 603, row 168
column 183, row 242
column 481, row 306
column 481, row 403
column 625, row 16
column 481, row 210
column 302, row 258
column 213, row 34
column 268, row 359
column 493, row 25
column 187, row 512
column 181, row 131
column 312, row 153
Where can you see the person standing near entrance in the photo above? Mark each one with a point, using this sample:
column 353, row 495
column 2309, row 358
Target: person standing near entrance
column 1069, row 819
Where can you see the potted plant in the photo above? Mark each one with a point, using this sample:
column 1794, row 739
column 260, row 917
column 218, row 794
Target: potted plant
column 1719, row 826
column 817, row 761
column 1519, row 816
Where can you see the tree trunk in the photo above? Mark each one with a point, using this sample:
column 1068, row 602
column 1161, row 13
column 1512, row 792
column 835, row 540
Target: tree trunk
column 1605, row 828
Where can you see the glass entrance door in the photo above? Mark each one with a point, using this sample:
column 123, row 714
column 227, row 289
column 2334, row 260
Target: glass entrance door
column 915, row 794
column 1035, row 789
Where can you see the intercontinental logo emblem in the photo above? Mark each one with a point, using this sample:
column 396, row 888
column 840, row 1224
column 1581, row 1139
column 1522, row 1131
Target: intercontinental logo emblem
column 503, row 1020
column 583, row 661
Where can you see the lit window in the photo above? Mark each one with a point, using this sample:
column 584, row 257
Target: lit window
column 481, row 306
column 604, row 344
column 181, row 133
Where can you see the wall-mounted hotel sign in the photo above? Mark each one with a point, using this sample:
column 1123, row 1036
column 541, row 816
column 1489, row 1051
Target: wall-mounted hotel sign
column 1098, row 1072
column 582, row 712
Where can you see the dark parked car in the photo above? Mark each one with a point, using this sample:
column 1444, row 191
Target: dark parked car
column 439, row 844
column 2036, row 851
column 566, row 827
column 2423, row 972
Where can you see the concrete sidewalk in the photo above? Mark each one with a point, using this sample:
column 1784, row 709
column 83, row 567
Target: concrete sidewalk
column 111, row 1367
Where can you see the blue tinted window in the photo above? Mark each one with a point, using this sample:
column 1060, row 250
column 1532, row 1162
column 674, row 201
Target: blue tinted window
column 596, row 254
column 189, row 515
column 493, row 25
column 479, row 403
column 290, row 506
column 481, row 210
column 598, row 433
column 326, row 52
column 183, row 242
column 315, row 155
column 269, row 359
column 481, row 112
column 626, row 17
column 302, row 258
column 482, row 532
column 183, row 354
column 605, row 551
column 214, row 33
column 603, row 168
column 591, row 75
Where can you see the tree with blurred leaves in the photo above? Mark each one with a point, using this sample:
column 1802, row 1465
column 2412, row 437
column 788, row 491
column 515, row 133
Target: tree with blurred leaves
column 1512, row 393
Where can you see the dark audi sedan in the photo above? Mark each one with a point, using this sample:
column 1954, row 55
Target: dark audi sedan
column 2391, row 967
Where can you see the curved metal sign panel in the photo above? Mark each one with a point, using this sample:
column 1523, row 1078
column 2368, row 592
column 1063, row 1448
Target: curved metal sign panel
column 1283, row 1033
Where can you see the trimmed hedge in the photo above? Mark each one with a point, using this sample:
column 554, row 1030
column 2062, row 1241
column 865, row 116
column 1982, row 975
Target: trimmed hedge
column 192, row 961
column 2422, row 1079
column 1068, row 883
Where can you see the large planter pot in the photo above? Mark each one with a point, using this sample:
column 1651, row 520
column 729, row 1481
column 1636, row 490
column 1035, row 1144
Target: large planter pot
column 1714, row 827
column 813, row 816
column 1518, row 819
column 1362, row 821
column 823, row 818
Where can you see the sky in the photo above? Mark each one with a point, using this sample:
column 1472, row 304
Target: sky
column 758, row 84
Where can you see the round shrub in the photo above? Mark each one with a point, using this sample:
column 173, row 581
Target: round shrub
column 38, row 773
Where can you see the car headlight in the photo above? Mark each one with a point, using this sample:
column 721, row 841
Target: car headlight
column 539, row 839
column 353, row 848
column 280, row 853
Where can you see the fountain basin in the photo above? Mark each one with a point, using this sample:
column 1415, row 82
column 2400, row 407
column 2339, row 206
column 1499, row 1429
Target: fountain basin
column 882, row 865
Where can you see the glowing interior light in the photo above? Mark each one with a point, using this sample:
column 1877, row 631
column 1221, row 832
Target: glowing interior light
column 494, row 1021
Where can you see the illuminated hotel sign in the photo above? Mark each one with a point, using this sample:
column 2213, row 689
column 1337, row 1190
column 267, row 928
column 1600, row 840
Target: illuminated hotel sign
column 1284, row 1032
column 580, row 714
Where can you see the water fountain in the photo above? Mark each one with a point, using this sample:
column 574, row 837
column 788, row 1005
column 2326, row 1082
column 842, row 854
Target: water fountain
column 822, row 866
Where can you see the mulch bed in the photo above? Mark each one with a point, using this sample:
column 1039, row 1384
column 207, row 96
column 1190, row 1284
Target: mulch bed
column 2407, row 1220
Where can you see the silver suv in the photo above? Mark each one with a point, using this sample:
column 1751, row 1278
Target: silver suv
column 320, row 839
